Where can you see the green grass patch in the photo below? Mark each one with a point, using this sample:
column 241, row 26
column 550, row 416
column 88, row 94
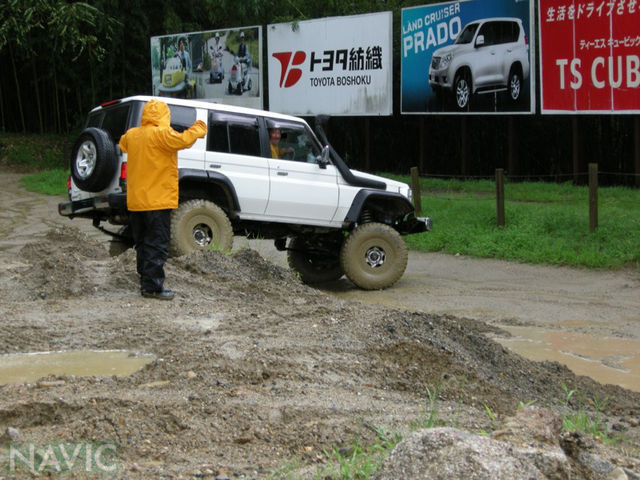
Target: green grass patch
column 49, row 182
column 544, row 223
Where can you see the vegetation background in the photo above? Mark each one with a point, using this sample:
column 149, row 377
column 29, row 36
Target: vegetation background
column 60, row 58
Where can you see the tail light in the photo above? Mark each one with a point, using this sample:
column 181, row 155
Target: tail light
column 69, row 184
column 123, row 176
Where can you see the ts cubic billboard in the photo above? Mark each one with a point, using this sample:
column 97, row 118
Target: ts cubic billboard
column 589, row 56
column 468, row 56
column 337, row 66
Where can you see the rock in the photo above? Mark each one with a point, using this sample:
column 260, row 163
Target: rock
column 447, row 453
column 617, row 474
column 12, row 433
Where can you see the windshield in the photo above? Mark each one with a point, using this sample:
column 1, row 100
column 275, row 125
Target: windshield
column 467, row 34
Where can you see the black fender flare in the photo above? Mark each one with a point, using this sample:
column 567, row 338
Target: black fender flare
column 401, row 205
column 209, row 178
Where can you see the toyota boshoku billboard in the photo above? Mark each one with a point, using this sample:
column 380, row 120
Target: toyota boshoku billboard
column 337, row 66
column 590, row 56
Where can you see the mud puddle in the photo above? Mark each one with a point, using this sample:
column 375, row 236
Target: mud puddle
column 29, row 367
column 605, row 359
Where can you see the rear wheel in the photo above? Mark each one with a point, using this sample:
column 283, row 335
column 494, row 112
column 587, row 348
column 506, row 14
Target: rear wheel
column 515, row 84
column 374, row 256
column 200, row 225
column 94, row 161
column 313, row 263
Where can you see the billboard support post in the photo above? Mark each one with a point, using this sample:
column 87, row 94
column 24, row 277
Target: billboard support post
column 636, row 136
column 511, row 145
column 421, row 160
column 500, row 196
column 464, row 147
column 575, row 135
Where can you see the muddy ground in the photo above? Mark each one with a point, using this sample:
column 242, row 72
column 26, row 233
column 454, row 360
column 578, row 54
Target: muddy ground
column 252, row 370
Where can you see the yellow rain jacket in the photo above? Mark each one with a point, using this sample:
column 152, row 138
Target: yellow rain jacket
column 152, row 162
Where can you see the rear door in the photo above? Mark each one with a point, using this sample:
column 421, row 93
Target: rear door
column 234, row 151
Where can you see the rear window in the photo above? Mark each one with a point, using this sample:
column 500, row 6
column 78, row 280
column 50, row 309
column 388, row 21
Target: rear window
column 113, row 119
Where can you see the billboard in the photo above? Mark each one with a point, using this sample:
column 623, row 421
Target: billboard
column 589, row 56
column 336, row 66
column 217, row 65
column 473, row 56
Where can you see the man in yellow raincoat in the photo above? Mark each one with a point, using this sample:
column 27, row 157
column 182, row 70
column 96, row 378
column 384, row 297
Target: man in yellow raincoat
column 152, row 189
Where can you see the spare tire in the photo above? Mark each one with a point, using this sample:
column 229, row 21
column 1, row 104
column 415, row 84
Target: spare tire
column 93, row 160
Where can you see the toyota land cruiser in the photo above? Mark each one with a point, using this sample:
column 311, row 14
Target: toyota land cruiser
column 331, row 220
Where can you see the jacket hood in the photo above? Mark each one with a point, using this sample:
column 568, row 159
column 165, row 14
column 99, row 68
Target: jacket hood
column 156, row 113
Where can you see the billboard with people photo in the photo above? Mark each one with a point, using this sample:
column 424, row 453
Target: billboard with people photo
column 218, row 65
column 474, row 56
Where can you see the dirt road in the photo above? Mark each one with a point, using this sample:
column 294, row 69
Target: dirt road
column 248, row 369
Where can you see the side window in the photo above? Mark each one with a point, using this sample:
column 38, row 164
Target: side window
column 489, row 30
column 230, row 133
column 182, row 117
column 115, row 121
column 292, row 142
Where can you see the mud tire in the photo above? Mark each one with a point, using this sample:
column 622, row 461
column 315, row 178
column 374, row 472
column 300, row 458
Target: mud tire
column 93, row 161
column 199, row 225
column 374, row 256
column 313, row 267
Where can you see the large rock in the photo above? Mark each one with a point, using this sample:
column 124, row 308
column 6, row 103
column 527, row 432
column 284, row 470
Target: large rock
column 448, row 453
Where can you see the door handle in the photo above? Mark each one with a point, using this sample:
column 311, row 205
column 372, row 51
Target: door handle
column 215, row 165
column 283, row 174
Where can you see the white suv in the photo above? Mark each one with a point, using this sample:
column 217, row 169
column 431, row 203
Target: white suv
column 489, row 55
column 331, row 220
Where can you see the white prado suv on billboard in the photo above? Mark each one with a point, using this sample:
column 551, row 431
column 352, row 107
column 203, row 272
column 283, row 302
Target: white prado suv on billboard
column 489, row 55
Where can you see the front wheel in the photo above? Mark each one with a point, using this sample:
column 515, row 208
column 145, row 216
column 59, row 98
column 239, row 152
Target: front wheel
column 198, row 225
column 462, row 90
column 374, row 256
column 313, row 265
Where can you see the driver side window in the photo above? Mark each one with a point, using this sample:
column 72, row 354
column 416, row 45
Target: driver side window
column 292, row 143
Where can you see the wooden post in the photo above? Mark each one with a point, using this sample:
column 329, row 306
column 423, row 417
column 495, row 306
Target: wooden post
column 593, row 197
column 636, row 136
column 500, row 196
column 415, row 189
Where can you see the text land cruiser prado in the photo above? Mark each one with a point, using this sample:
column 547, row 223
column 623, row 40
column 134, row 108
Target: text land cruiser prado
column 331, row 220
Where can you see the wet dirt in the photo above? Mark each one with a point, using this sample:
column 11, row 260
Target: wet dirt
column 253, row 370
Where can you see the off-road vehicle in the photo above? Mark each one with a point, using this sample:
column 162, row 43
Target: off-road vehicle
column 489, row 55
column 331, row 220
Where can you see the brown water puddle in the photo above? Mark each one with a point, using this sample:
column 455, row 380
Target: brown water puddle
column 29, row 367
column 605, row 359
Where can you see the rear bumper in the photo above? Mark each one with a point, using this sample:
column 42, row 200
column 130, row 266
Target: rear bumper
column 88, row 207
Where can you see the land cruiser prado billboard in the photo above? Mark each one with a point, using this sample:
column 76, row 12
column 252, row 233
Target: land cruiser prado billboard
column 472, row 56
column 216, row 65
column 590, row 56
column 336, row 66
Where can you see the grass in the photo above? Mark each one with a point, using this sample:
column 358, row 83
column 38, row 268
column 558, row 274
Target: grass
column 545, row 223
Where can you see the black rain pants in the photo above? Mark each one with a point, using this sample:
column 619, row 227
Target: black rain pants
column 151, row 230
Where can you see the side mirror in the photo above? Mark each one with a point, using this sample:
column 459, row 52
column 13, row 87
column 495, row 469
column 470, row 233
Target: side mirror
column 480, row 41
column 323, row 159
